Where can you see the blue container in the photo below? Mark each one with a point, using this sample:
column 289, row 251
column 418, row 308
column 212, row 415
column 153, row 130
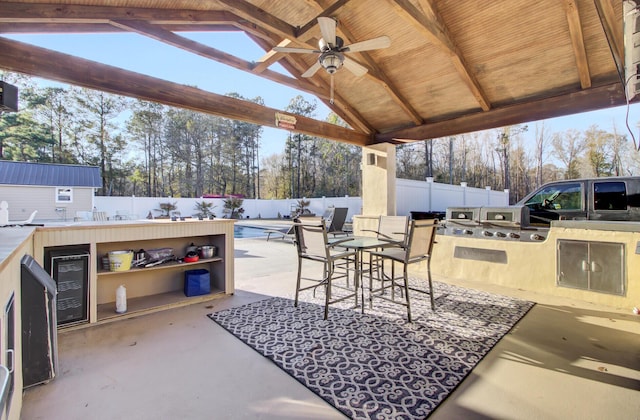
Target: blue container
column 197, row 282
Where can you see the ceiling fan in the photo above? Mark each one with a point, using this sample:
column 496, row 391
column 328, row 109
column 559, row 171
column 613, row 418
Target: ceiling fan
column 331, row 49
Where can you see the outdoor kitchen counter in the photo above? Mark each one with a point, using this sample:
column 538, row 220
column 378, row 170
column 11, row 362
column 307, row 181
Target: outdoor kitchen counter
column 542, row 266
column 12, row 238
column 148, row 289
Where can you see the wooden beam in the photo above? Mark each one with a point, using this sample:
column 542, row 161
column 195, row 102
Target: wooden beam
column 431, row 25
column 259, row 17
column 571, row 103
column 612, row 31
column 271, row 57
column 78, row 28
column 24, row 58
column 159, row 34
column 577, row 41
column 11, row 12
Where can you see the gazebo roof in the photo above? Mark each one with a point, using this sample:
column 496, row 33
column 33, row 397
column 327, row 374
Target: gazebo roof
column 452, row 66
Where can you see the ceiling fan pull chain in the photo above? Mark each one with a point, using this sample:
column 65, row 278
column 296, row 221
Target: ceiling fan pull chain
column 331, row 99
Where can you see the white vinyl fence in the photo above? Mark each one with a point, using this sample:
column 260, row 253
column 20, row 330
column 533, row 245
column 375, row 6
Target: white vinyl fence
column 411, row 196
column 432, row 196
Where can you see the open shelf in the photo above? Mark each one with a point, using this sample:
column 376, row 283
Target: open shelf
column 153, row 303
column 164, row 266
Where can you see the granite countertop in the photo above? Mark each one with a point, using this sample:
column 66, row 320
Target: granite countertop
column 12, row 238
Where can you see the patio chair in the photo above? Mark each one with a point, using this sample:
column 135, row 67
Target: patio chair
column 284, row 234
column 312, row 245
column 336, row 223
column 391, row 228
column 418, row 248
column 100, row 216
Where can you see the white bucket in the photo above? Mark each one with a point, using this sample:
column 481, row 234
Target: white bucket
column 120, row 260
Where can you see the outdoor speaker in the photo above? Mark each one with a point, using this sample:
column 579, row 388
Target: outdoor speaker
column 8, row 97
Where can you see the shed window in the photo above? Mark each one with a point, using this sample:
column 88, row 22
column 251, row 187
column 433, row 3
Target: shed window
column 609, row 196
column 64, row 195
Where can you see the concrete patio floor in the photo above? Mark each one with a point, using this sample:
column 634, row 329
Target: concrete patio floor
column 564, row 360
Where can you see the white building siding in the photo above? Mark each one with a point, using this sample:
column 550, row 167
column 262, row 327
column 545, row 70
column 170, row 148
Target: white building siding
column 24, row 199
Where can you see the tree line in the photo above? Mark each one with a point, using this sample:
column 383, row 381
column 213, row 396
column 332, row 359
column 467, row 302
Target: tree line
column 148, row 149
column 503, row 159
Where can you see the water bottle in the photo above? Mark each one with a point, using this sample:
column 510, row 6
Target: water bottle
column 121, row 299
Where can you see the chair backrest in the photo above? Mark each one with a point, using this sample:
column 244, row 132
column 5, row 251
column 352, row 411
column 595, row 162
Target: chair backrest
column 311, row 238
column 422, row 235
column 338, row 218
column 393, row 228
column 100, row 216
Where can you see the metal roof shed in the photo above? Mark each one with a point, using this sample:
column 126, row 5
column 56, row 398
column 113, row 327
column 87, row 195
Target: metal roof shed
column 57, row 191
column 27, row 173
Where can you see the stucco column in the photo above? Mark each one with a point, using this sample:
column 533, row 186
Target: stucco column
column 379, row 180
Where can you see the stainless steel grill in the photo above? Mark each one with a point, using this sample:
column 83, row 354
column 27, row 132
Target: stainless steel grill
column 498, row 223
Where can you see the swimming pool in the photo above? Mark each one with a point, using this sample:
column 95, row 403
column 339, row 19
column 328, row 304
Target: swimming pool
column 242, row 231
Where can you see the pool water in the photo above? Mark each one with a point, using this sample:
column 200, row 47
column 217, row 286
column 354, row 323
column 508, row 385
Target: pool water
column 240, row 231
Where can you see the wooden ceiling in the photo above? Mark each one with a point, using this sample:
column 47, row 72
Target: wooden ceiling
column 453, row 66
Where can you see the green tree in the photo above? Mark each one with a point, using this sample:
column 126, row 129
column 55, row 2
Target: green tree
column 145, row 128
column 598, row 145
column 97, row 112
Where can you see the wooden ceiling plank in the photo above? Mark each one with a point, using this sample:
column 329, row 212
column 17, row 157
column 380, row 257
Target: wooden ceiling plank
column 576, row 102
column 24, row 58
column 380, row 76
column 577, row 41
column 431, row 25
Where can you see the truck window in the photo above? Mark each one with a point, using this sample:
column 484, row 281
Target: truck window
column 558, row 197
column 609, row 196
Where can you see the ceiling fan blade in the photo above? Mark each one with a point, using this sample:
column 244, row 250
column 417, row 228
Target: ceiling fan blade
column 355, row 68
column 312, row 70
column 295, row 50
column 371, row 44
column 328, row 29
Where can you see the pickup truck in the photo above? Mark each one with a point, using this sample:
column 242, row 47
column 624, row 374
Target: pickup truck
column 614, row 198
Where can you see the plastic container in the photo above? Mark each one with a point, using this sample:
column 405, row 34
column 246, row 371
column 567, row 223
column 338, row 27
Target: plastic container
column 197, row 282
column 120, row 260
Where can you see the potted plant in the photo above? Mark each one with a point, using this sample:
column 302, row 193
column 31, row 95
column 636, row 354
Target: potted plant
column 233, row 207
column 302, row 209
column 205, row 209
column 167, row 208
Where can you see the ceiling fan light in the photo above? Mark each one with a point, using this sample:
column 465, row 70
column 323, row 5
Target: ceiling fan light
column 331, row 61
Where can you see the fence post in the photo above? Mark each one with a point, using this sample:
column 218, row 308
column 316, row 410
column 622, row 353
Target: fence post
column 506, row 196
column 429, row 191
column 464, row 193
column 488, row 189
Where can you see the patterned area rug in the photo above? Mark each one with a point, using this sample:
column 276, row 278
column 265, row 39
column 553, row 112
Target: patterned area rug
column 376, row 364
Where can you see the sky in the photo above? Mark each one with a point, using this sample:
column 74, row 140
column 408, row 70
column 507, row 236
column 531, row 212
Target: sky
column 144, row 55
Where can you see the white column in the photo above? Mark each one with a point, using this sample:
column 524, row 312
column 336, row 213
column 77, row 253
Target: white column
column 379, row 180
